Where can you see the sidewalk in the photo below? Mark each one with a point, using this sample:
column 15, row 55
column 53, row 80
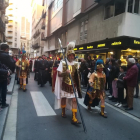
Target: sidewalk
column 135, row 112
column 4, row 112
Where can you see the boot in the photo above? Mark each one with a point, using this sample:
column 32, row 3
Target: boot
column 89, row 108
column 20, row 86
column 102, row 111
column 24, row 88
column 74, row 119
column 63, row 111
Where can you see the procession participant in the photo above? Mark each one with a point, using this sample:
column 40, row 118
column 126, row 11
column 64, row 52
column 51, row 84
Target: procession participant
column 64, row 94
column 43, row 71
column 95, row 92
column 31, row 63
column 36, row 67
column 23, row 63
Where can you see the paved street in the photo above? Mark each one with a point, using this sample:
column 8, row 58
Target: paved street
column 37, row 120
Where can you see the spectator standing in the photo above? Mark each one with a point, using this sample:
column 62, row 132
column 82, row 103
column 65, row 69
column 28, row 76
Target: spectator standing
column 138, row 79
column 107, row 87
column 3, row 85
column 121, row 86
column 131, row 82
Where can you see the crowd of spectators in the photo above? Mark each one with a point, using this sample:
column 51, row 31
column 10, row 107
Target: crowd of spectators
column 121, row 80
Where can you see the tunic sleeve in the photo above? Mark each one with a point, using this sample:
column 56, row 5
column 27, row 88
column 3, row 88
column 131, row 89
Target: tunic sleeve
column 91, row 79
column 60, row 67
column 17, row 63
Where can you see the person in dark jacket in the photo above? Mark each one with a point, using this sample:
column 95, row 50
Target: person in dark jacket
column 121, row 85
column 131, row 82
column 107, row 87
column 5, row 58
column 138, row 79
column 3, row 85
column 99, row 61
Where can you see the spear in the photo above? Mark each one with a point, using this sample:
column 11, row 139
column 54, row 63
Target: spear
column 82, row 119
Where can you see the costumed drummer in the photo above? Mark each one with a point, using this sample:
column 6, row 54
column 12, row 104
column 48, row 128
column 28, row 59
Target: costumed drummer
column 64, row 95
column 23, row 63
column 95, row 92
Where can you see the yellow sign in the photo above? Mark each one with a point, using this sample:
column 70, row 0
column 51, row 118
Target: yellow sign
column 136, row 42
column 75, row 49
column 89, row 47
column 116, row 43
column 101, row 45
column 81, row 48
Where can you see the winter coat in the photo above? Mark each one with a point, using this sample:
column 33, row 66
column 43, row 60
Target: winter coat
column 113, row 73
column 131, row 76
column 7, row 60
column 121, row 82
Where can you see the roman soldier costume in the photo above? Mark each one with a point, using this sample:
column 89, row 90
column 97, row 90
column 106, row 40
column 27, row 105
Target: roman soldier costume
column 64, row 95
column 95, row 91
column 23, row 72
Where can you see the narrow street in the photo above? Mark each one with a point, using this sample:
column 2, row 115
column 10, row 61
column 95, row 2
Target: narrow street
column 37, row 119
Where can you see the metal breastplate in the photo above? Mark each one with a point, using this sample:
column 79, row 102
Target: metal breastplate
column 99, row 82
column 24, row 65
column 66, row 78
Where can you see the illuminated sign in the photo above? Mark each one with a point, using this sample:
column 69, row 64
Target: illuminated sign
column 116, row 43
column 81, row 48
column 75, row 49
column 89, row 47
column 136, row 42
column 101, row 45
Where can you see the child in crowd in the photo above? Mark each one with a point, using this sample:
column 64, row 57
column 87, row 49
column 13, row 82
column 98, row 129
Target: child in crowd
column 121, row 86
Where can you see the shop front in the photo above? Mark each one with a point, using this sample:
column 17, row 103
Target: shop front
column 120, row 47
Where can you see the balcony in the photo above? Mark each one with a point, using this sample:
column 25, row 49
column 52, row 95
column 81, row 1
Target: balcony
column 6, row 20
column 43, row 37
column 36, row 34
column 1, row 4
column 36, row 46
column 10, row 40
column 2, row 26
column 43, row 25
column 6, row 3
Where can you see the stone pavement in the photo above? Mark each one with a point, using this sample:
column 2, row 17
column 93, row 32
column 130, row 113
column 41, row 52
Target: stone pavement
column 4, row 112
column 135, row 112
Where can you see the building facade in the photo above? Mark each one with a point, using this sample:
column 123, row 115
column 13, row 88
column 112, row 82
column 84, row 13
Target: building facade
column 3, row 19
column 13, row 27
column 37, row 32
column 25, row 35
column 101, row 27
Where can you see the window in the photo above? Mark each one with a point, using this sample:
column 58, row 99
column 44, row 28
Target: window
column 15, row 39
column 86, row 28
column 15, row 34
column 82, row 30
column 130, row 6
column 57, row 4
column 136, row 7
column 109, row 10
column 15, row 44
column 119, row 7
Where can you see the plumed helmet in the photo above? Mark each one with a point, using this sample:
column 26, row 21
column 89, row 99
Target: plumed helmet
column 70, row 48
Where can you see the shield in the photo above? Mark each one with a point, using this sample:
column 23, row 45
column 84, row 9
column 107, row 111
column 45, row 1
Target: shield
column 54, row 73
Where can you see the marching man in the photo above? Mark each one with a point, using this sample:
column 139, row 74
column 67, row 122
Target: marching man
column 64, row 94
column 23, row 63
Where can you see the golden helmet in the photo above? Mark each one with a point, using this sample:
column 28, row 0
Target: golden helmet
column 70, row 48
column 100, row 66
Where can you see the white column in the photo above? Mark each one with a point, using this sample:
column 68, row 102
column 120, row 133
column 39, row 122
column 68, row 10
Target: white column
column 126, row 8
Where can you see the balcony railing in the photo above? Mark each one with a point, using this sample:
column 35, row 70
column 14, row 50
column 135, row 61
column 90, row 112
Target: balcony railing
column 2, row 25
column 6, row 19
column 4, row 4
column 1, row 4
column 43, row 37
column 43, row 24
column 36, row 46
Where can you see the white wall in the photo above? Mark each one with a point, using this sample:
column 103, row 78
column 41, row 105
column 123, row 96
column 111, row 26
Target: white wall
column 130, row 25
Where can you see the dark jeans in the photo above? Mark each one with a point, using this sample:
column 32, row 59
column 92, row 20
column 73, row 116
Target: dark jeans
column 107, row 86
column 3, row 89
column 110, row 85
column 120, row 95
column 137, row 89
